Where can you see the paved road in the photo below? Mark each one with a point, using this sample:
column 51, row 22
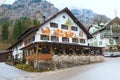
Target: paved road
column 108, row 70
column 9, row 72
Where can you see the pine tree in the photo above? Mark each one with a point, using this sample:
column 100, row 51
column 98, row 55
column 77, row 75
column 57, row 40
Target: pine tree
column 5, row 31
column 20, row 26
column 35, row 22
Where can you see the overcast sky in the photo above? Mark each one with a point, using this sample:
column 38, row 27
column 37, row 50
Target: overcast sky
column 105, row 7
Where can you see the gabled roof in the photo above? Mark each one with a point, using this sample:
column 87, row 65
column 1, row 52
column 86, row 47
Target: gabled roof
column 4, row 51
column 115, row 20
column 33, row 29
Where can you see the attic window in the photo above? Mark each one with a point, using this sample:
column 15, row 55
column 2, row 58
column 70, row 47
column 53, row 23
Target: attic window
column 54, row 25
column 64, row 26
column 74, row 28
column 63, row 16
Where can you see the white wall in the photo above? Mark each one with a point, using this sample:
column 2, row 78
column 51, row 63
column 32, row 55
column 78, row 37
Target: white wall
column 60, row 20
column 105, row 41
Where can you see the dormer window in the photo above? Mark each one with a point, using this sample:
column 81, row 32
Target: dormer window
column 54, row 25
column 74, row 28
column 64, row 27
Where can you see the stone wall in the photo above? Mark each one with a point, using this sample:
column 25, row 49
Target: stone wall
column 66, row 61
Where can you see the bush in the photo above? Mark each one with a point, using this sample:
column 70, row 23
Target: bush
column 26, row 67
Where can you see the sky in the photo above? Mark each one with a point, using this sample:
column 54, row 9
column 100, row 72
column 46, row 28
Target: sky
column 110, row 8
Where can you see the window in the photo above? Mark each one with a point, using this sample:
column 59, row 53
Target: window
column 64, row 27
column 74, row 28
column 82, row 40
column 107, row 28
column 25, row 42
column 63, row 16
column 74, row 40
column 29, row 40
column 100, row 43
column 101, row 35
column 54, row 38
column 54, row 25
column 111, row 41
column 64, row 39
column 44, row 37
column 94, row 36
column 33, row 38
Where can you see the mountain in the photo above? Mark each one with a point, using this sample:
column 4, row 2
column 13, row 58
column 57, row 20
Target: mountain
column 36, row 9
column 88, row 17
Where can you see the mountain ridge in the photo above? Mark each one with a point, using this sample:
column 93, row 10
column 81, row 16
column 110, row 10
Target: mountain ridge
column 36, row 9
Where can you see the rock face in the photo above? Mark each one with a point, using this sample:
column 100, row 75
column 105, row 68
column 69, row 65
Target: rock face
column 28, row 8
column 36, row 9
column 88, row 17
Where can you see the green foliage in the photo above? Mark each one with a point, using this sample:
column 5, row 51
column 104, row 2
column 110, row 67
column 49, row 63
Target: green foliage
column 35, row 22
column 20, row 26
column 26, row 67
column 68, row 22
column 116, row 29
column 118, row 47
column 5, row 31
column 10, row 31
column 17, row 29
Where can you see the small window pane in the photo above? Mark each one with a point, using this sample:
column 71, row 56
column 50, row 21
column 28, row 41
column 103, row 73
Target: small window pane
column 82, row 40
column 54, row 25
column 64, row 27
column 54, row 38
column 44, row 37
column 74, row 28
column 64, row 39
column 74, row 40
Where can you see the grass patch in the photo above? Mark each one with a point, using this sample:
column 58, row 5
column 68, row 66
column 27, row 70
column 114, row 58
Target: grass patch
column 26, row 67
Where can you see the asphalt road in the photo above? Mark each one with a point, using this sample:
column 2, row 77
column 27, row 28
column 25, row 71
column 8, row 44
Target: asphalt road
column 8, row 72
column 108, row 70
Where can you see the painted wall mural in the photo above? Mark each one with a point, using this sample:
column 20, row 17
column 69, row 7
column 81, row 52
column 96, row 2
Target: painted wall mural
column 61, row 32
column 46, row 31
column 69, row 24
column 81, row 34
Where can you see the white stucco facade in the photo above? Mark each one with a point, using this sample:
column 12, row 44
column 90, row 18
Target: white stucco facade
column 101, row 38
column 73, row 31
column 60, row 20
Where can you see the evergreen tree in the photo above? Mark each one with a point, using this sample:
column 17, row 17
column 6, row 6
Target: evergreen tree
column 16, row 30
column 5, row 31
column 20, row 26
column 35, row 22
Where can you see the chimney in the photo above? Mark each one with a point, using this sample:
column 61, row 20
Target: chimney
column 43, row 18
